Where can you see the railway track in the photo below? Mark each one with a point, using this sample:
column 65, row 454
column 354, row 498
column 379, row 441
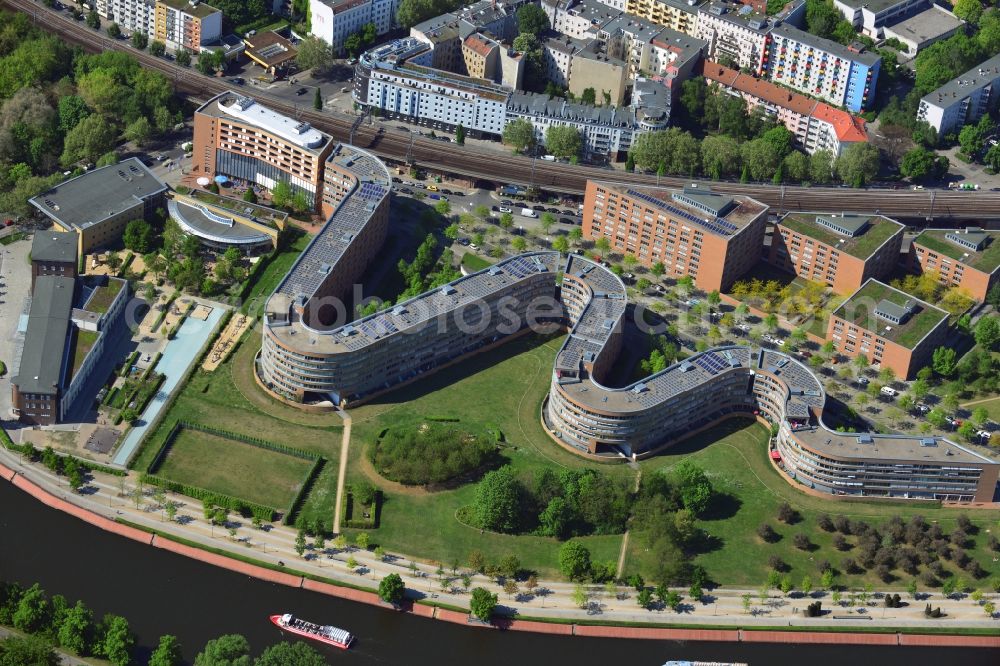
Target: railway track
column 498, row 167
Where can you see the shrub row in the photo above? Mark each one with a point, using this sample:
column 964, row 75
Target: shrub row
column 152, row 365
column 241, row 506
column 164, row 311
column 172, row 333
column 361, row 523
column 125, row 264
column 142, row 394
column 300, row 497
column 129, row 362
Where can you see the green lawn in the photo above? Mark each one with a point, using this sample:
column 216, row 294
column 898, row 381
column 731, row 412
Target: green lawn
column 473, row 262
column 505, row 387
column 234, row 468
column 104, row 296
column 273, row 272
column 992, row 406
column 81, row 347
column 734, row 456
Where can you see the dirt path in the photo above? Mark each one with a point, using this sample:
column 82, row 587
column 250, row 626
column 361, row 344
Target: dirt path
column 345, row 443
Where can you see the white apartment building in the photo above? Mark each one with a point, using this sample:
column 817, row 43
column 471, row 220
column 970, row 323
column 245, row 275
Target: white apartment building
column 579, row 19
column 964, row 100
column 385, row 80
column 870, row 15
column 130, row 15
column 733, row 34
column 557, row 56
column 603, row 130
column 334, row 20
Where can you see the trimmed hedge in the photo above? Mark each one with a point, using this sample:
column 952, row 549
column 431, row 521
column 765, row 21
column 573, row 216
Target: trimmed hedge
column 164, row 311
column 152, row 365
column 144, row 391
column 241, row 506
column 125, row 264
column 253, row 441
column 172, row 333
column 300, row 497
column 129, row 362
column 361, row 523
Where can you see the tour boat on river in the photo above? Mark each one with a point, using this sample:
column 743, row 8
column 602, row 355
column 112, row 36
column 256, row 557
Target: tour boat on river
column 322, row 633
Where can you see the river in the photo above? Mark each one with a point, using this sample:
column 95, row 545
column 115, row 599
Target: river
column 162, row 593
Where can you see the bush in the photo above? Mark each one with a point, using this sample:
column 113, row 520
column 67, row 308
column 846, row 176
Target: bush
column 430, row 453
column 767, row 533
column 815, row 609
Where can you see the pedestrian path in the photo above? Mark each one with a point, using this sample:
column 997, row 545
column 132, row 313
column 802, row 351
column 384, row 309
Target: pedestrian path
column 178, row 356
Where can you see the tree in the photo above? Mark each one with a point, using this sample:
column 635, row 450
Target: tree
column 138, row 236
column 114, row 32
column 140, row 40
column 574, row 560
column 167, row 653
column 91, row 138
column 290, row 654
column 943, row 361
column 532, row 19
column 460, row 131
column 563, row 141
column 858, row 164
column 496, row 501
column 226, row 650
column 483, row 603
column 919, row 164
column 695, row 488
column 968, row 10
column 34, row 612
column 796, row 167
column 589, row 97
column 183, row 55
column 314, row 54
column 27, row 651
column 300, row 543
column 821, row 167
column 118, row 640
column 281, row 194
column 93, row 20
column 75, row 631
column 519, row 133
column 987, row 332
column 158, row 49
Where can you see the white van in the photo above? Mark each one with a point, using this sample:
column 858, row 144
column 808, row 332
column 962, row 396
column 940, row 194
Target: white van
column 527, row 212
column 549, row 158
column 888, row 391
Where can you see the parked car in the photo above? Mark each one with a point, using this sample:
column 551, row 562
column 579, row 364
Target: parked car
column 862, row 381
column 888, row 391
column 506, row 202
column 432, row 188
column 463, row 241
column 538, row 207
column 406, row 190
column 923, row 409
column 397, row 179
column 555, row 211
column 435, row 197
column 505, row 209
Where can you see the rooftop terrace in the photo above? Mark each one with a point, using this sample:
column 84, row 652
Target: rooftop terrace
column 298, row 133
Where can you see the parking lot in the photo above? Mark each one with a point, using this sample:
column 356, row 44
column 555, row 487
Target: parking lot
column 15, row 287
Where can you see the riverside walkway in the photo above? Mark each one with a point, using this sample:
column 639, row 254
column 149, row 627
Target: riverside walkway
column 275, row 547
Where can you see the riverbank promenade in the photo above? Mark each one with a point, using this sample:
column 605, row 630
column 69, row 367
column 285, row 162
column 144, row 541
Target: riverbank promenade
column 112, row 504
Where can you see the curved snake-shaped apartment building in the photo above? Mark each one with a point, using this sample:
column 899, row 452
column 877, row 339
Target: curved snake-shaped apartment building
column 304, row 360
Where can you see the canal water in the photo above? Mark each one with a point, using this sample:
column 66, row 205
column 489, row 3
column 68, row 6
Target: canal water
column 162, row 593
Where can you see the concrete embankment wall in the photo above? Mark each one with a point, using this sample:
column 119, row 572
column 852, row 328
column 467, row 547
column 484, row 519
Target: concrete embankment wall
column 457, row 617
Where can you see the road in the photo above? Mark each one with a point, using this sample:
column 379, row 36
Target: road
column 479, row 162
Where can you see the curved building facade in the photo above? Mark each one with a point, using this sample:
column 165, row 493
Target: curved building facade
column 723, row 382
column 310, row 355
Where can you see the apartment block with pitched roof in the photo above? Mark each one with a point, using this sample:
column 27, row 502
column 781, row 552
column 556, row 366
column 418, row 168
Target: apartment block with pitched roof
column 815, row 125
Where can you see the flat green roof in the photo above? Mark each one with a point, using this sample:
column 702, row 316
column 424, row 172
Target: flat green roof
column 81, row 347
column 987, row 260
column 862, row 305
column 880, row 229
column 103, row 297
